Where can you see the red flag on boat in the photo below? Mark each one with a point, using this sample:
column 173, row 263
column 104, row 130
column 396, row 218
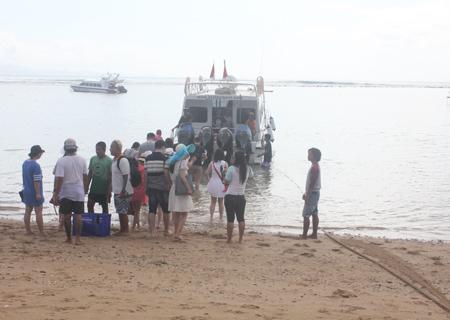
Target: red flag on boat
column 225, row 73
column 212, row 74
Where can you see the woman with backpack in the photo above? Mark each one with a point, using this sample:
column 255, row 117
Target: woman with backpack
column 180, row 196
column 236, row 180
column 216, row 171
column 139, row 192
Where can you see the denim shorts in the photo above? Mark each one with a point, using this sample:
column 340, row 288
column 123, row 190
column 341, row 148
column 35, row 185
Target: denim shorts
column 311, row 204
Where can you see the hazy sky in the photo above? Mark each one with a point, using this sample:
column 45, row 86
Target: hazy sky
column 374, row 40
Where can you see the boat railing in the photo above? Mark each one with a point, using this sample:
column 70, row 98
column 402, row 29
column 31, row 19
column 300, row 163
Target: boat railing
column 193, row 88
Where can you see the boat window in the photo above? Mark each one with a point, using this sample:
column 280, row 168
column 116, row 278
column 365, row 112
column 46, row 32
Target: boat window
column 199, row 114
column 243, row 114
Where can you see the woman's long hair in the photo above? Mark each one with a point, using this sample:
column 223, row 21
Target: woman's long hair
column 241, row 163
column 219, row 155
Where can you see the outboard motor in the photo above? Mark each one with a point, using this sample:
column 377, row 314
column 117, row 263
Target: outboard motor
column 243, row 136
column 186, row 134
column 244, row 139
column 206, row 135
column 225, row 141
column 224, row 137
column 207, row 139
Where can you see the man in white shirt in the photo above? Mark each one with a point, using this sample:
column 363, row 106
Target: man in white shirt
column 71, row 183
column 121, row 185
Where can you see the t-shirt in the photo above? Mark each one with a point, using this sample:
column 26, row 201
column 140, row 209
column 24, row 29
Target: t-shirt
column 117, row 176
column 147, row 146
column 154, row 166
column 71, row 168
column 235, row 186
column 318, row 184
column 31, row 173
column 101, row 169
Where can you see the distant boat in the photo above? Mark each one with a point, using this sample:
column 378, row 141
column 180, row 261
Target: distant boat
column 107, row 84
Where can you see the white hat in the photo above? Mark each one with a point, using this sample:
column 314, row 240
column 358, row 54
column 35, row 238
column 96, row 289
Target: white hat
column 70, row 144
column 169, row 151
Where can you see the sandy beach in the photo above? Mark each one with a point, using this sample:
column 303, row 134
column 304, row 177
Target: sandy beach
column 267, row 277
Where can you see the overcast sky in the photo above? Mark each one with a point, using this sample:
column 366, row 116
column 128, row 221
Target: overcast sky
column 305, row 40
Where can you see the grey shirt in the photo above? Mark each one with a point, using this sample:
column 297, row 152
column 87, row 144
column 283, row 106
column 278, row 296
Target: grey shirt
column 147, row 146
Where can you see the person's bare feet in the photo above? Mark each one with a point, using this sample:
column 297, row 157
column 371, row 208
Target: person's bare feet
column 69, row 241
column 178, row 239
column 29, row 233
column 313, row 236
column 303, row 237
column 78, row 243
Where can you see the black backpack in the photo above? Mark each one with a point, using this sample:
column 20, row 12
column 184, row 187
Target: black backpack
column 135, row 176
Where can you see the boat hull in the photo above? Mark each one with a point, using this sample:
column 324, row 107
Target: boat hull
column 94, row 90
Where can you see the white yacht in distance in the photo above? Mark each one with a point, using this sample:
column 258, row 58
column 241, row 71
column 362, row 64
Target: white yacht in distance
column 226, row 113
column 107, row 84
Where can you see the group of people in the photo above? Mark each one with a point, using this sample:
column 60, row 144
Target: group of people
column 157, row 173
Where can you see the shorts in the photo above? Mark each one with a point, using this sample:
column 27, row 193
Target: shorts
column 235, row 207
column 311, row 205
column 67, row 206
column 98, row 198
column 122, row 204
column 158, row 198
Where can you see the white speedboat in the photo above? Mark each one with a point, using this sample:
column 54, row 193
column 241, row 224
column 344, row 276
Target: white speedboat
column 107, row 84
column 226, row 112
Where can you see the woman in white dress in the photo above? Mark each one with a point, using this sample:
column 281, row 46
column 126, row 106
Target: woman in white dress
column 179, row 205
column 216, row 171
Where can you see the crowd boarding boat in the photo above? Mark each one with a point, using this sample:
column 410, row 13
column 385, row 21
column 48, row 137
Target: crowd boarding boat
column 107, row 84
column 226, row 113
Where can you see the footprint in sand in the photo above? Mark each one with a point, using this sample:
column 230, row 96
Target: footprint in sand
column 435, row 258
column 341, row 293
column 301, row 245
column 413, row 252
column 235, row 311
column 218, row 236
column 307, row 254
column 263, row 244
column 250, row 306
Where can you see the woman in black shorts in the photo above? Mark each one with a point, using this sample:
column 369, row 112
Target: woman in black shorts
column 236, row 179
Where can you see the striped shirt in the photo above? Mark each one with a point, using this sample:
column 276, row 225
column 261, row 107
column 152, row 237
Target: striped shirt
column 155, row 164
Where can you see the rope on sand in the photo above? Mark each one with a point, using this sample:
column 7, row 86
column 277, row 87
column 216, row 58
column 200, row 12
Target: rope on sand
column 445, row 307
column 396, row 275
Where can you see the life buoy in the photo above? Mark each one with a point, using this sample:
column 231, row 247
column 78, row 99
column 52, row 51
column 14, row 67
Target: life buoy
column 272, row 123
column 186, row 85
column 260, row 85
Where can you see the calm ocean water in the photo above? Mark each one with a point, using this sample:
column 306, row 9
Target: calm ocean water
column 385, row 165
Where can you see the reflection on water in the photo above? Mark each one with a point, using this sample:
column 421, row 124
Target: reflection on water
column 385, row 151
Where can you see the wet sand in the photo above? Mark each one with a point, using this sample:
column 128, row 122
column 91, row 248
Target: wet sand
column 267, row 277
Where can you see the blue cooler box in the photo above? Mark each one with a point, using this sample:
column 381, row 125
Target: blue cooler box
column 94, row 224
